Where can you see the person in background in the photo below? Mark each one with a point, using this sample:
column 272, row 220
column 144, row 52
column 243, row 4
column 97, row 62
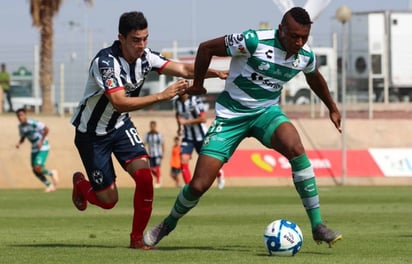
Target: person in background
column 36, row 132
column 262, row 61
column 5, row 84
column 156, row 147
column 103, row 126
column 175, row 166
column 191, row 116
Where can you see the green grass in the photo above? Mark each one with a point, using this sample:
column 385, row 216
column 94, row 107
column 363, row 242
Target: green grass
column 226, row 227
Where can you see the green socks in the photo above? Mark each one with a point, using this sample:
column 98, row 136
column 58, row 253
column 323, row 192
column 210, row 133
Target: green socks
column 184, row 202
column 305, row 184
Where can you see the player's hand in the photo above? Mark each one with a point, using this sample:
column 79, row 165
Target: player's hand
column 176, row 88
column 182, row 121
column 193, row 90
column 335, row 117
column 222, row 74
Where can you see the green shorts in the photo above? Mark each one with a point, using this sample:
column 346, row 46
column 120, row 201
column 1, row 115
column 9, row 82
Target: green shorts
column 225, row 134
column 39, row 158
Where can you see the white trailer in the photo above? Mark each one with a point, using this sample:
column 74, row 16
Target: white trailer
column 379, row 52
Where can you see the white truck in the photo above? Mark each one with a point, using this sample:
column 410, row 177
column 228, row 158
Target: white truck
column 379, row 54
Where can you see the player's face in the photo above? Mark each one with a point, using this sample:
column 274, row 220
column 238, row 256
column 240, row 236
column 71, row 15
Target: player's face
column 293, row 35
column 133, row 44
column 21, row 116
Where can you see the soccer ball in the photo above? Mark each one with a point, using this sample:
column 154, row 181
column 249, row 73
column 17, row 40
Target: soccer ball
column 283, row 238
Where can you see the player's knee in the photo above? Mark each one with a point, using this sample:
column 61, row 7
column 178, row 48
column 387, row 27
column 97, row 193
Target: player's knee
column 37, row 169
column 143, row 177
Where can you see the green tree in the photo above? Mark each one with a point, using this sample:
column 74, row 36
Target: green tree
column 42, row 12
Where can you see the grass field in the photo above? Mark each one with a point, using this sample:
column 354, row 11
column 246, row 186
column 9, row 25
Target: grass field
column 226, row 227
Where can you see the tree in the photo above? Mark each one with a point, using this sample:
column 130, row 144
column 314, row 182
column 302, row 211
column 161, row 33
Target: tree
column 42, row 12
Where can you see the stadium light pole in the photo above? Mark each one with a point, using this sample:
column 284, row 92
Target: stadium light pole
column 343, row 15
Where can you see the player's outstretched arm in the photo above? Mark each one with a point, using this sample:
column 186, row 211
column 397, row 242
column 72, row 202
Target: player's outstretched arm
column 122, row 103
column 318, row 85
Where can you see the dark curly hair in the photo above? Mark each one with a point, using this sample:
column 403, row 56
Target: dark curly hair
column 299, row 14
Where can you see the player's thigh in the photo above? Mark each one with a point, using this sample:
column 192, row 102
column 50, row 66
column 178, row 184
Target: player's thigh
column 95, row 153
column 224, row 136
column 128, row 146
column 39, row 158
column 265, row 125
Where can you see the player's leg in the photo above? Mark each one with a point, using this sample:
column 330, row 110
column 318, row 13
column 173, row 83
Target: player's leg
column 186, row 150
column 155, row 169
column 174, row 174
column 53, row 174
column 211, row 159
column 221, row 179
column 101, row 188
column 38, row 159
column 286, row 140
column 142, row 200
column 131, row 154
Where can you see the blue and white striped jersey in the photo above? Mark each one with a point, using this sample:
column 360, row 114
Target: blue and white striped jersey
column 109, row 72
column 154, row 142
column 191, row 108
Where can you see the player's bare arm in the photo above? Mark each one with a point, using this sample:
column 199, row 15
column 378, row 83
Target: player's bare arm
column 43, row 137
column 201, row 119
column 205, row 52
column 186, row 70
column 318, row 85
column 122, row 103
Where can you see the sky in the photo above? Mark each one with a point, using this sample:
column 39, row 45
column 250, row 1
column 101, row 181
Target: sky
column 187, row 21
column 81, row 30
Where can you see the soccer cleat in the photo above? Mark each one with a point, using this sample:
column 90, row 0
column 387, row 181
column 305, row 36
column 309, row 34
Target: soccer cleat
column 77, row 197
column 154, row 235
column 50, row 188
column 139, row 244
column 323, row 234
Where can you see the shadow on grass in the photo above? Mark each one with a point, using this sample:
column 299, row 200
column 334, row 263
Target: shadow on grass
column 60, row 245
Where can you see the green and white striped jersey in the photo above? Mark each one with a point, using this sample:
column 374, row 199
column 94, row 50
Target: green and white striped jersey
column 33, row 131
column 258, row 70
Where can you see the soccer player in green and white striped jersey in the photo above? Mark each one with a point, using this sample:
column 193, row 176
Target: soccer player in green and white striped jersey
column 262, row 61
column 36, row 132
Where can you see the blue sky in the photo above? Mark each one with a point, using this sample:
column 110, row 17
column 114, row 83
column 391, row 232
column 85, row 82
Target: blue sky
column 187, row 21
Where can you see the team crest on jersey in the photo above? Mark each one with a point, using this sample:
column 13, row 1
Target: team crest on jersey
column 97, row 176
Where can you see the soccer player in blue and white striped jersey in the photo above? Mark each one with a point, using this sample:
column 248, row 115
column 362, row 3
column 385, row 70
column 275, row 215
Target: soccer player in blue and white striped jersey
column 104, row 127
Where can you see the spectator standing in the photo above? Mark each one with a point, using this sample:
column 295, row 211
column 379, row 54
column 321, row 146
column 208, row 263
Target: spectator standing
column 5, row 84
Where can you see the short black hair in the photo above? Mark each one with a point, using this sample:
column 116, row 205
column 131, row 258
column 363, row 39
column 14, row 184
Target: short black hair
column 131, row 21
column 21, row 110
column 299, row 14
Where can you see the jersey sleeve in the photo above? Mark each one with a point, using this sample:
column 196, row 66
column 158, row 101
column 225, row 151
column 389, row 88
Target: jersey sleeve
column 311, row 66
column 156, row 60
column 241, row 44
column 106, row 72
